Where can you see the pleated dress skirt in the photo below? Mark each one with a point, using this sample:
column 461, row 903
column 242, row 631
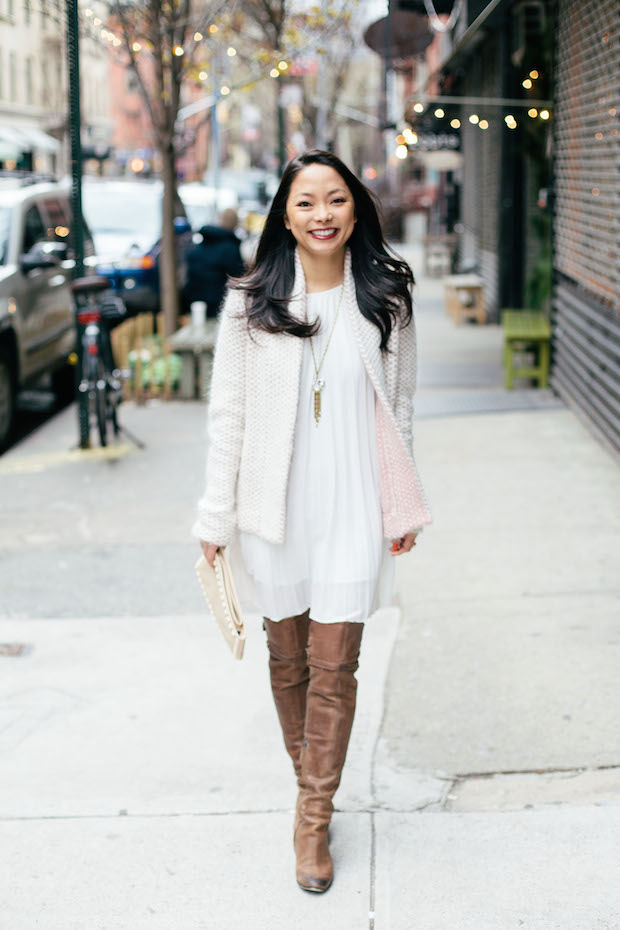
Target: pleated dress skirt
column 334, row 559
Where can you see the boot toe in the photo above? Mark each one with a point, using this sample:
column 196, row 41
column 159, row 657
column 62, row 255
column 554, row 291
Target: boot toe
column 317, row 885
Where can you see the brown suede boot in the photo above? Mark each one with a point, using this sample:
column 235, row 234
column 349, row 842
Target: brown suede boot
column 333, row 652
column 287, row 641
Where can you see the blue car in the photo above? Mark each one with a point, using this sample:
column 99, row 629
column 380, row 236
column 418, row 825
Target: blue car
column 125, row 219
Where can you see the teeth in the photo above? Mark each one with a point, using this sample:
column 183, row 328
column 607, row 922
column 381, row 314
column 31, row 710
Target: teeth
column 322, row 233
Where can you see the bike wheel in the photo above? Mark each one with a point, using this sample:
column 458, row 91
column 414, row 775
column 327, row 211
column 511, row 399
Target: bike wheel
column 83, row 410
column 101, row 403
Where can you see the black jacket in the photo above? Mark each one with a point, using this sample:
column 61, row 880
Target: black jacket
column 208, row 266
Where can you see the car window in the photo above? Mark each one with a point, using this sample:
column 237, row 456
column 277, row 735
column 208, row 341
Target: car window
column 5, row 226
column 57, row 219
column 34, row 229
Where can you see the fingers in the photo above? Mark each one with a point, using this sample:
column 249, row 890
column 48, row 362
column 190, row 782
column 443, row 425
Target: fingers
column 209, row 550
column 404, row 544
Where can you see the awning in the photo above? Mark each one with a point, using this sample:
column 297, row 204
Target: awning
column 21, row 139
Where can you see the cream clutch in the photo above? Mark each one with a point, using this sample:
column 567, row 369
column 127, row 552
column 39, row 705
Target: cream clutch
column 219, row 590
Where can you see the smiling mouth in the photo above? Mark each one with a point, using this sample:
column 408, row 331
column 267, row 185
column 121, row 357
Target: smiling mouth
column 323, row 233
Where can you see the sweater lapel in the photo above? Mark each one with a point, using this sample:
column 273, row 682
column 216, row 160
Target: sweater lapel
column 367, row 335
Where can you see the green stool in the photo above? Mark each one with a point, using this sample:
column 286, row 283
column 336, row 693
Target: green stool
column 526, row 330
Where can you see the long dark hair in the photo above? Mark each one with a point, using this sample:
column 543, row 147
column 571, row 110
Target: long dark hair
column 382, row 280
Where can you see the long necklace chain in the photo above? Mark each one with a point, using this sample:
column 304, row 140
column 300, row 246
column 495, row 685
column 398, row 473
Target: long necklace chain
column 319, row 384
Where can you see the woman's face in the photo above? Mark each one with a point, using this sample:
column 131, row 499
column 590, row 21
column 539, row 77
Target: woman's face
column 320, row 211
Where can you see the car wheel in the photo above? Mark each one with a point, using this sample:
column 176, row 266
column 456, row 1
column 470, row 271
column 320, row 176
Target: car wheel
column 7, row 398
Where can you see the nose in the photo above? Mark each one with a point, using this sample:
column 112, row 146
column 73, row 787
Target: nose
column 322, row 213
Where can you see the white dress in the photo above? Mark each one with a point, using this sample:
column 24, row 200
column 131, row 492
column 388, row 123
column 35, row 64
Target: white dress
column 334, row 559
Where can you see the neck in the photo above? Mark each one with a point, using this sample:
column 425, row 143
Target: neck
column 322, row 272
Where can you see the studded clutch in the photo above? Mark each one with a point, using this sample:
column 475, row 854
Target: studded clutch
column 221, row 597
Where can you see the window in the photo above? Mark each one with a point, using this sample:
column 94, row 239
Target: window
column 27, row 12
column 34, row 230
column 29, row 91
column 12, row 77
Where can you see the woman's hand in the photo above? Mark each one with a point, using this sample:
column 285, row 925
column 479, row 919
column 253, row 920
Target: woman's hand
column 404, row 544
column 209, row 550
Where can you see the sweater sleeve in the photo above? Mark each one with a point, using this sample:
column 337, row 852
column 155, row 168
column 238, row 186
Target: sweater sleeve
column 216, row 518
column 407, row 381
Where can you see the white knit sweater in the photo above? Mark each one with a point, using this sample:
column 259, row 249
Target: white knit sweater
column 251, row 418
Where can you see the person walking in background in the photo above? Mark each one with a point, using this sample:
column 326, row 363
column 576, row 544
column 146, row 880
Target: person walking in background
column 311, row 480
column 211, row 262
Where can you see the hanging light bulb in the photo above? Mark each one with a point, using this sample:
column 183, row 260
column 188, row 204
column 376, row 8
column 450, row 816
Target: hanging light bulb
column 401, row 151
column 136, row 47
column 474, row 118
column 274, row 73
column 197, row 36
column 418, row 107
column 534, row 74
column 483, row 124
column 224, row 90
column 455, row 123
column 231, row 52
column 526, row 83
column 411, row 137
column 533, row 112
column 544, row 114
column 439, row 113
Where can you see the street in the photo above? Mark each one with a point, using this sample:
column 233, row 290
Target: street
column 143, row 781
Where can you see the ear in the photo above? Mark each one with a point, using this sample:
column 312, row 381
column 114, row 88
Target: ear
column 286, row 222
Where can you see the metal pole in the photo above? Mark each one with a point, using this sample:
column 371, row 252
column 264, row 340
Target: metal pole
column 75, row 122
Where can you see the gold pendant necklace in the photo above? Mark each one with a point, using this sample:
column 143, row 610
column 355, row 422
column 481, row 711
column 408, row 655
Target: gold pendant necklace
column 318, row 383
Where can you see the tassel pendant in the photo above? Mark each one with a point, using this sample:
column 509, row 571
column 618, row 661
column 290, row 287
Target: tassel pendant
column 317, row 387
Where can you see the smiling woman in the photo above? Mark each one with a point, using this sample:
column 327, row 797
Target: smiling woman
column 311, row 480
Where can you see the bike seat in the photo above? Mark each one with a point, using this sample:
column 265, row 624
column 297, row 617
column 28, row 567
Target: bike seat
column 89, row 284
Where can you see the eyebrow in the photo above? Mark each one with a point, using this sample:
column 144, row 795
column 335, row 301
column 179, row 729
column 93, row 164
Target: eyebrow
column 335, row 191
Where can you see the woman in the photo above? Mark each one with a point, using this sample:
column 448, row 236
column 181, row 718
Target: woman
column 310, row 471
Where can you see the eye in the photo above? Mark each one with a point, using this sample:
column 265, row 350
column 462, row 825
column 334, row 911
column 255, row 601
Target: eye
column 304, row 203
column 339, row 200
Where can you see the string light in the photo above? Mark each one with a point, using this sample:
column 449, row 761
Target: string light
column 197, row 36
column 455, row 123
column 483, row 124
column 474, row 118
column 439, row 113
column 283, row 65
column 418, row 107
column 544, row 114
column 534, row 74
column 212, row 29
column 533, row 112
column 526, row 83
column 274, row 73
column 401, row 139
column 136, row 47
column 203, row 75
column 411, row 137
column 231, row 52
column 224, row 90
column 178, row 50
column 401, row 151
column 598, row 135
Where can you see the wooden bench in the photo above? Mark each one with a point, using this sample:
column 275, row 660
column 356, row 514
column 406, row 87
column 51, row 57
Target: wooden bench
column 464, row 297
column 526, row 331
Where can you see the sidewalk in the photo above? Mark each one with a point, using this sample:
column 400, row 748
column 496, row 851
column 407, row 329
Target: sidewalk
column 143, row 784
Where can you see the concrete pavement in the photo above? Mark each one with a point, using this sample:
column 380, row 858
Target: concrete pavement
column 143, row 783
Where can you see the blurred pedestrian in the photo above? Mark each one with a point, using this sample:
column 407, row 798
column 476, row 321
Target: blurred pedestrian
column 212, row 261
column 310, row 472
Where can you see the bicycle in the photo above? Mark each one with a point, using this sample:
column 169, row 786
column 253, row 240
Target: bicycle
column 99, row 381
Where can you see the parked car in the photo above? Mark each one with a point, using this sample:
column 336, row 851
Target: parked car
column 37, row 327
column 125, row 217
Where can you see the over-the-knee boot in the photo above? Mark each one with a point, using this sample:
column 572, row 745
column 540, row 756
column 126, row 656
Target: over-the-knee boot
column 287, row 641
column 333, row 652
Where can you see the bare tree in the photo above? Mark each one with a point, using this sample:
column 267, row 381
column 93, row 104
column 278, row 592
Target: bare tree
column 281, row 30
column 162, row 40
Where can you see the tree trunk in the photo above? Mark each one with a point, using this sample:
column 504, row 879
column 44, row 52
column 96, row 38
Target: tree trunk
column 168, row 257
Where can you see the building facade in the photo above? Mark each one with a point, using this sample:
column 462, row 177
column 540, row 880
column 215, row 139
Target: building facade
column 33, row 84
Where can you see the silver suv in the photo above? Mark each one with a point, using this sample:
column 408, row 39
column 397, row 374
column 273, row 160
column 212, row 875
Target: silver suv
column 37, row 330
